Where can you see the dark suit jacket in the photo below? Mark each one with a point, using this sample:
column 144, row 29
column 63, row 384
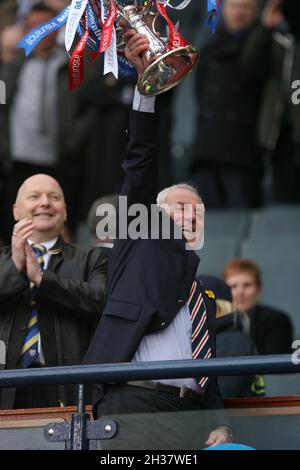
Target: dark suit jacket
column 228, row 99
column 148, row 280
column 70, row 295
column 271, row 330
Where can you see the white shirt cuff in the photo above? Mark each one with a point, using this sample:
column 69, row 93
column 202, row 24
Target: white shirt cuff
column 142, row 103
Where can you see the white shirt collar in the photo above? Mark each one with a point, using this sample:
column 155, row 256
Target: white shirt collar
column 48, row 244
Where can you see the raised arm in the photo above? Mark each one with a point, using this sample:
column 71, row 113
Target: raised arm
column 141, row 162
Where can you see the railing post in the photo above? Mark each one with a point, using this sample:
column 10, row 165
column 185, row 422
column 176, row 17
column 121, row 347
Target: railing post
column 81, row 433
column 79, row 424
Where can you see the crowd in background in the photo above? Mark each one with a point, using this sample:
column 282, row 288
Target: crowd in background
column 245, row 129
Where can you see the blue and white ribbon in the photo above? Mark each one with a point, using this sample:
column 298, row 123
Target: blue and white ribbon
column 214, row 8
column 111, row 58
column 34, row 37
column 110, row 54
column 76, row 11
column 126, row 68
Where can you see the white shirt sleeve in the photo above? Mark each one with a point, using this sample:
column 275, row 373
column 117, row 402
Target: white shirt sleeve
column 142, row 103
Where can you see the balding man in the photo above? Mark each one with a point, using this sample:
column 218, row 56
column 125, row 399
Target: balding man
column 51, row 293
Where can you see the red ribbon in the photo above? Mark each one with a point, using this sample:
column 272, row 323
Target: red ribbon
column 175, row 38
column 76, row 65
column 108, row 28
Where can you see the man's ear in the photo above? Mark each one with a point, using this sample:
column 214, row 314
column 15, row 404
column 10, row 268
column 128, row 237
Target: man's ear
column 15, row 212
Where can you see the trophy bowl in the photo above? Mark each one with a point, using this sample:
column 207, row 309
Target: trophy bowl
column 167, row 67
column 167, row 70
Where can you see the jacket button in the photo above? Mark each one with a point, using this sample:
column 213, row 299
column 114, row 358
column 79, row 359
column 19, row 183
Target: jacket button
column 163, row 324
column 180, row 301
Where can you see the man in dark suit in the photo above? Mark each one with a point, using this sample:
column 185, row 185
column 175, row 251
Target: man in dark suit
column 51, row 294
column 151, row 284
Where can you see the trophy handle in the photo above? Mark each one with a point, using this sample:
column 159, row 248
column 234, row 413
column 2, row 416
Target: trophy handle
column 156, row 15
column 135, row 19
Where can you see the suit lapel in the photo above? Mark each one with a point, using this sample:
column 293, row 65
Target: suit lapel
column 57, row 254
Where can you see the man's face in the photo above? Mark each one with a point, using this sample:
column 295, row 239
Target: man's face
column 187, row 211
column 41, row 199
column 239, row 14
column 244, row 290
column 34, row 19
column 9, row 38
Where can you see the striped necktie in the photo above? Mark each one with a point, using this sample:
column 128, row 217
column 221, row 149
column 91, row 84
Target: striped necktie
column 30, row 351
column 200, row 335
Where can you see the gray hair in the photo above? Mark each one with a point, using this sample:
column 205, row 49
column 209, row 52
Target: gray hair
column 162, row 195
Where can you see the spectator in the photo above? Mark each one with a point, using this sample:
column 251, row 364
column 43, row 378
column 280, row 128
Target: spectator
column 269, row 57
column 151, row 293
column 110, row 220
column 270, row 329
column 43, row 127
column 49, row 304
column 227, row 163
column 57, row 5
column 9, row 38
column 243, row 84
column 24, row 7
column 8, row 10
column 232, row 340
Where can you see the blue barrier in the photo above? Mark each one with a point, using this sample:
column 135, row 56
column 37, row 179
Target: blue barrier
column 277, row 364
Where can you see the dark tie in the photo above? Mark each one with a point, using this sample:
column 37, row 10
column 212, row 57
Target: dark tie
column 200, row 335
column 30, row 346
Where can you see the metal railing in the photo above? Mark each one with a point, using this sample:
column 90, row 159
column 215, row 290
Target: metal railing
column 123, row 372
column 81, row 431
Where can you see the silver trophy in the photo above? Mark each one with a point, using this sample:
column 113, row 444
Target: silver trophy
column 170, row 66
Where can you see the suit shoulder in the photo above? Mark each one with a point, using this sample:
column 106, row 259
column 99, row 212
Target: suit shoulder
column 272, row 314
column 72, row 249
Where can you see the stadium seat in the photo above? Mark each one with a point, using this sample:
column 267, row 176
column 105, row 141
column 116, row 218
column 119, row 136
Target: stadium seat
column 276, row 220
column 283, row 384
column 215, row 254
column 277, row 250
column 227, row 223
